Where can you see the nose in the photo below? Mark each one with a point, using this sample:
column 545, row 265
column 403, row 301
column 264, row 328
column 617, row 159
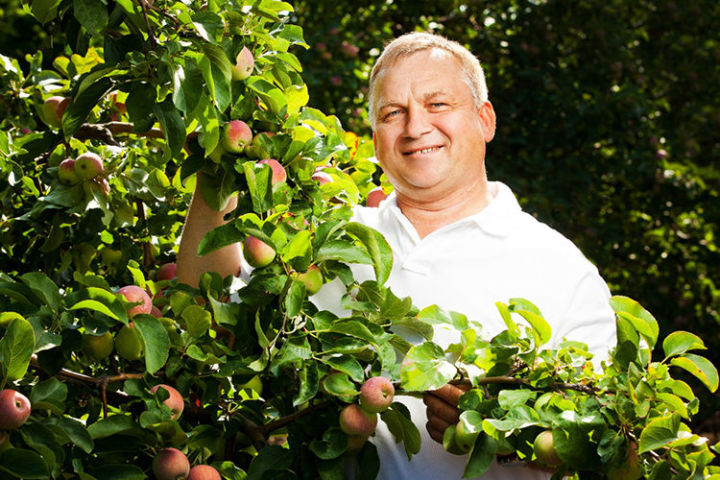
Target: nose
column 417, row 123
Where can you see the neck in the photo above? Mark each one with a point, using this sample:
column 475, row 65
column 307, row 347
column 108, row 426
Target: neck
column 430, row 214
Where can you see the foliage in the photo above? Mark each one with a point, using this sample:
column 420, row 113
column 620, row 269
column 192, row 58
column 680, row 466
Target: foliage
column 263, row 373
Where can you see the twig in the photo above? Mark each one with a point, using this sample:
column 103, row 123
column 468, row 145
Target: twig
column 283, row 421
column 151, row 37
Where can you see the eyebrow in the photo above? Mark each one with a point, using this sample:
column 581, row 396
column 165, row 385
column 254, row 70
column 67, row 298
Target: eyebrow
column 427, row 97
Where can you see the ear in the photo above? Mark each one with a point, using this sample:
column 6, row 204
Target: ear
column 487, row 118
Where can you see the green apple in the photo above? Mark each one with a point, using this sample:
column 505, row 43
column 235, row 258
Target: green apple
column 544, row 448
column 88, row 165
column 449, row 443
column 128, row 344
column 464, row 439
column 312, row 279
column 97, row 347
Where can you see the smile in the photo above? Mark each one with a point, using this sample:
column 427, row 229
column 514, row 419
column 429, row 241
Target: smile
column 423, row 151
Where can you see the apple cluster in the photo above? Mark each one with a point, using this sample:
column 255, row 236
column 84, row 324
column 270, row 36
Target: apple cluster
column 172, row 464
column 358, row 421
column 87, row 166
column 53, row 110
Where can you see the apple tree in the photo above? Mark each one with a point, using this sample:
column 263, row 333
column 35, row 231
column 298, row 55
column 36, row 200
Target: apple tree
column 130, row 374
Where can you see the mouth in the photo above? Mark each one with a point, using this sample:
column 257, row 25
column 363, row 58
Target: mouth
column 423, row 150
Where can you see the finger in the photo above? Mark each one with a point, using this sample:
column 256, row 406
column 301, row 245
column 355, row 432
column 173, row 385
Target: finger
column 449, row 393
column 438, row 407
column 435, row 434
column 437, row 423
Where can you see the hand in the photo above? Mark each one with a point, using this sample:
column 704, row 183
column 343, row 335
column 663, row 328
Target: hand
column 442, row 409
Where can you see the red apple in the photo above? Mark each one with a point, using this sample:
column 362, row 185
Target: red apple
column 156, row 312
column 14, row 409
column 135, row 294
column 257, row 253
column 278, row 172
column 376, row 394
column 101, row 185
column 203, row 472
column 355, row 443
column 322, row 177
column 356, row 421
column 174, row 402
column 244, row 64
column 375, row 196
column 88, row 165
column 236, row 135
column 170, row 464
column 66, row 172
column 166, row 271
column 312, row 279
column 54, row 109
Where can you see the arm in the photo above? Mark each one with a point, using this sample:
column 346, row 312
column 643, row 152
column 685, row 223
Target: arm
column 202, row 218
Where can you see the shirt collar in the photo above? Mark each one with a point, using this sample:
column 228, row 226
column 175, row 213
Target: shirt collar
column 499, row 218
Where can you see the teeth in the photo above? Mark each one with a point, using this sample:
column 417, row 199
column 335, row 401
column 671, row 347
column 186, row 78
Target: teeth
column 427, row 150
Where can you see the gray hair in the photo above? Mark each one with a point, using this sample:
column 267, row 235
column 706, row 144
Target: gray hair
column 410, row 43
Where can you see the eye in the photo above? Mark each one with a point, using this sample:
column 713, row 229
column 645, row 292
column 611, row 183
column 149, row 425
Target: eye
column 391, row 114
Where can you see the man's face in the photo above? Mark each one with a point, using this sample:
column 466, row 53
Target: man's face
column 429, row 136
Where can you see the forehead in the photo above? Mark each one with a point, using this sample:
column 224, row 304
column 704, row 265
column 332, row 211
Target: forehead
column 430, row 69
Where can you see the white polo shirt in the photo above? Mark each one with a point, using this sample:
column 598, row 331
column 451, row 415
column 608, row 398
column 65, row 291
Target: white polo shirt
column 495, row 255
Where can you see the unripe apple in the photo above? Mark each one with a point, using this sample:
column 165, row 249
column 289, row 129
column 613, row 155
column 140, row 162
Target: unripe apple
column 54, row 109
column 376, row 394
column 255, row 149
column 14, row 409
column 166, row 271
column 312, row 279
column 174, row 402
column 66, row 172
column 464, row 439
column 449, row 443
column 128, row 344
column 356, row 421
column 203, row 472
column 278, row 172
column 257, row 253
column 244, row 64
column 97, row 347
column 236, row 134
column 88, row 165
column 170, row 464
column 375, row 196
column 135, row 294
column 544, row 448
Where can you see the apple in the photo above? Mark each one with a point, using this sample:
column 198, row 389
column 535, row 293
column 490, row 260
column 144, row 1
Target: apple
column 355, row 443
column 278, row 172
column 464, row 439
column 257, row 253
column 156, row 312
column 135, row 294
column 321, row 177
column 203, row 472
column 544, row 448
column 449, row 443
column 375, row 196
column 376, row 394
column 244, row 64
column 111, row 257
column 356, row 421
column 236, row 135
column 97, row 347
column 166, row 271
column 256, row 149
column 101, row 185
column 349, row 49
column 54, row 109
column 630, row 469
column 312, row 279
column 174, row 402
column 128, row 344
column 14, row 409
column 170, row 464
column 88, row 165
column 66, row 172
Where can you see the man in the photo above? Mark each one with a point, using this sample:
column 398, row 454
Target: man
column 458, row 241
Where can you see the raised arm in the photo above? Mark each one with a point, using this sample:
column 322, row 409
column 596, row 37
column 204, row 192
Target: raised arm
column 202, row 218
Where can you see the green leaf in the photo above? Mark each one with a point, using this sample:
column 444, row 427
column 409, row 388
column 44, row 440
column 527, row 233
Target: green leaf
column 16, row 348
column 298, row 251
column 197, row 320
column 92, row 14
column 640, row 318
column 156, row 344
column 576, row 439
column 659, row 432
column 101, row 301
column 187, row 87
column 435, row 315
column 518, row 418
column 209, row 25
column 49, row 394
column 23, row 463
column 332, row 444
column 140, row 103
column 481, row 456
column 294, row 299
column 44, row 288
column 680, row 342
column 75, row 431
column 119, row 472
column 509, row 399
column 339, row 384
column 700, row 367
column 376, row 246
column 343, row 251
column 111, row 426
column 172, row 124
column 82, row 104
column 309, row 383
column 44, row 10
column 400, row 424
column 348, row 365
column 269, row 459
column 260, row 185
column 225, row 313
column 353, row 328
column 540, row 327
column 426, row 368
